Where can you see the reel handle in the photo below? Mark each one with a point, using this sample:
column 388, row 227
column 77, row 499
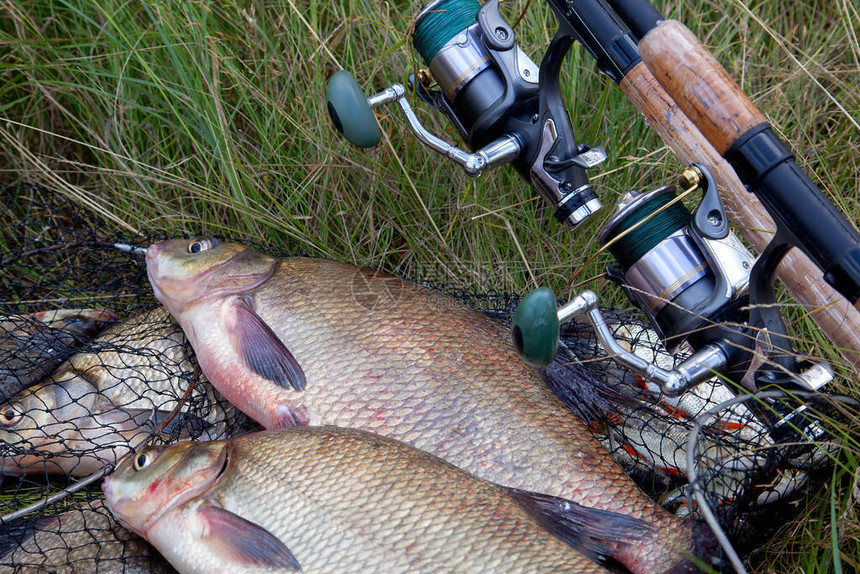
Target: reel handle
column 352, row 114
column 350, row 111
column 535, row 331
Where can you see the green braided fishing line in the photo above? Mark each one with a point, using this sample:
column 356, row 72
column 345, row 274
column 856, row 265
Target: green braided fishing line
column 443, row 22
column 630, row 248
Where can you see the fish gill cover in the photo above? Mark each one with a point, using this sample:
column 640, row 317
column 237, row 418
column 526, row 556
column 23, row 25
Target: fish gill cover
column 82, row 389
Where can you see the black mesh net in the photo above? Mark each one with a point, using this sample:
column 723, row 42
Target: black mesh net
column 103, row 371
column 756, row 458
column 82, row 335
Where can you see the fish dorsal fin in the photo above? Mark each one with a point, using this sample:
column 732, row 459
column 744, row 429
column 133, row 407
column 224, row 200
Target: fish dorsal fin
column 596, row 533
column 238, row 540
column 262, row 350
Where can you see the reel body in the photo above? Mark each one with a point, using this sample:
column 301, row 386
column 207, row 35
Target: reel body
column 489, row 88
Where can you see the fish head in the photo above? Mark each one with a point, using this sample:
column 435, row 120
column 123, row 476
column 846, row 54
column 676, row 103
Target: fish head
column 45, row 427
column 27, row 423
column 182, row 271
column 158, row 478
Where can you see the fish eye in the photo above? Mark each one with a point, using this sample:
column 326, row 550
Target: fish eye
column 199, row 245
column 144, row 459
column 10, row 414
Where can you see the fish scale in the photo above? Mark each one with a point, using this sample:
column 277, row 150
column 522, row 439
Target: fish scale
column 423, row 368
column 340, row 500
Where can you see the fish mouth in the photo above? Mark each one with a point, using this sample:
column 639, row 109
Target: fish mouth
column 152, row 271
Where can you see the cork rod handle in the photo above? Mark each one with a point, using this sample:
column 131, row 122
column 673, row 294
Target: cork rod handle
column 699, row 84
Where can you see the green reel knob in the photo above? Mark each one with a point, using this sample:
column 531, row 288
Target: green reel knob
column 349, row 111
column 535, row 327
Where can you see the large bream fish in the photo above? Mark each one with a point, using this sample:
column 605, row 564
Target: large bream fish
column 329, row 499
column 103, row 402
column 309, row 341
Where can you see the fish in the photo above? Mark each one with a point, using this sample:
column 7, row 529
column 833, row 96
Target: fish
column 333, row 499
column 658, row 439
column 732, row 492
column 31, row 346
column 304, row 341
column 779, row 473
column 85, row 540
column 103, row 402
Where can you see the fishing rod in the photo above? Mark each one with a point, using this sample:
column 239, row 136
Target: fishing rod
column 689, row 274
column 739, row 132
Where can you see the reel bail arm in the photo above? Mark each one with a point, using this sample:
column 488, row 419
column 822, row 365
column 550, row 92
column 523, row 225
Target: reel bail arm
column 537, row 344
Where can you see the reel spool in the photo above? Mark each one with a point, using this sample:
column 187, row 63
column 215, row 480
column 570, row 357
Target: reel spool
column 457, row 50
column 660, row 265
column 448, row 39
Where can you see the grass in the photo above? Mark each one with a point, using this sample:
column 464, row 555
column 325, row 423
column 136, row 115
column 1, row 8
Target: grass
column 209, row 118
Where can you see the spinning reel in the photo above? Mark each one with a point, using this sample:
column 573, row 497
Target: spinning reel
column 693, row 279
column 696, row 283
column 505, row 108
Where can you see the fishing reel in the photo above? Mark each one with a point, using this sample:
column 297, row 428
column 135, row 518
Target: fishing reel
column 696, row 283
column 505, row 108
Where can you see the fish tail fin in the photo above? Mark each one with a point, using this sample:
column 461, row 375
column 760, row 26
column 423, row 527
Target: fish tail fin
column 671, row 546
column 596, row 533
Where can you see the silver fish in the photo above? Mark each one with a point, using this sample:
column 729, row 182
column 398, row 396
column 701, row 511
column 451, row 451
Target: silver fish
column 85, row 540
column 102, row 403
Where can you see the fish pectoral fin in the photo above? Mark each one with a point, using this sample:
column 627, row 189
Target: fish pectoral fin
column 262, row 350
column 594, row 532
column 239, row 540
